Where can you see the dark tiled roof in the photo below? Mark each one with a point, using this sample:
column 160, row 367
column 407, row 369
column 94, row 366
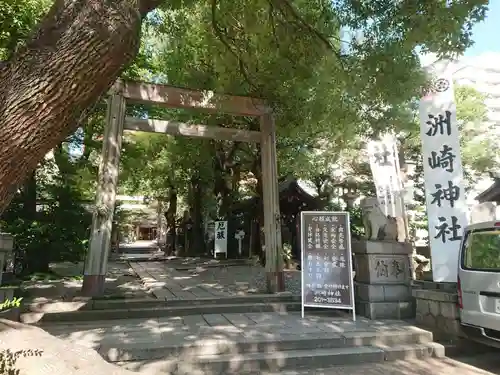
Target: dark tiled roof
column 492, row 194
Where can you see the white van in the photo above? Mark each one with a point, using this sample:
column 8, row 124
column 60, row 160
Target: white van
column 479, row 283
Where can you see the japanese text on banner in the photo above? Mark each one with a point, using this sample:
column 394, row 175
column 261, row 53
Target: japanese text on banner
column 443, row 175
column 383, row 164
column 220, row 240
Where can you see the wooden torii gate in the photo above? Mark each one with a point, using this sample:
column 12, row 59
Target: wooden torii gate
column 123, row 93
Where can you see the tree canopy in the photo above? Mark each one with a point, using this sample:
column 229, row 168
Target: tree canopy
column 349, row 63
column 335, row 73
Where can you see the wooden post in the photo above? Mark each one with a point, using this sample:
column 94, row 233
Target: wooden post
column 102, row 221
column 270, row 198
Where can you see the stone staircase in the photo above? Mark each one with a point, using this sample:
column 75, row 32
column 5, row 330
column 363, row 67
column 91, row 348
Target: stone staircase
column 276, row 354
column 137, row 251
column 240, row 343
column 250, row 334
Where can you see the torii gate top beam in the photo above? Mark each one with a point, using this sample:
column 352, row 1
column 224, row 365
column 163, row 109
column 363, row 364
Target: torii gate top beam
column 176, row 97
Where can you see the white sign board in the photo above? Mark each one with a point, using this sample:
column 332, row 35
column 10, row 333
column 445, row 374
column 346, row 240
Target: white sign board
column 384, row 164
column 220, row 238
column 443, row 175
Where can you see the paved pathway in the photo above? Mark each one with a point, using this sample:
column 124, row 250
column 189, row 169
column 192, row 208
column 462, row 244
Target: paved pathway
column 431, row 366
column 202, row 282
column 120, row 281
column 446, row 366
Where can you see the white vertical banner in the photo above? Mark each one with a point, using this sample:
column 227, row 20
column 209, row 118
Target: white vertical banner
column 220, row 240
column 443, row 175
column 383, row 164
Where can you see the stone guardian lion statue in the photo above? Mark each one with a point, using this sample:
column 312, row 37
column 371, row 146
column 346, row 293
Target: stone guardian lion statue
column 377, row 225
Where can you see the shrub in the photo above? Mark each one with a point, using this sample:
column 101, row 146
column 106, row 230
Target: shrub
column 8, row 360
column 9, row 303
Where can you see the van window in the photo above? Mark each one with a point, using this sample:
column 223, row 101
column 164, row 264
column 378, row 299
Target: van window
column 482, row 250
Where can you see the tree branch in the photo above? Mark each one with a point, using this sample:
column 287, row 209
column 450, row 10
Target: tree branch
column 220, row 35
column 272, row 22
column 286, row 8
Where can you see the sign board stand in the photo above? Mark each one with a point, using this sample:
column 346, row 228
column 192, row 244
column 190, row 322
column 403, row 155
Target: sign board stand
column 327, row 279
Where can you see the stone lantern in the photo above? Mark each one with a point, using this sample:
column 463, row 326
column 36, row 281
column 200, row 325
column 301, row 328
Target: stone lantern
column 350, row 192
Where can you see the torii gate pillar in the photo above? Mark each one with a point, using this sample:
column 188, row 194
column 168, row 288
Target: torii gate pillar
column 270, row 198
column 96, row 262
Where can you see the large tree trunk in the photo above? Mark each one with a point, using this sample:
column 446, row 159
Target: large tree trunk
column 29, row 197
column 46, row 87
column 197, row 235
column 259, row 214
column 170, row 216
column 224, row 164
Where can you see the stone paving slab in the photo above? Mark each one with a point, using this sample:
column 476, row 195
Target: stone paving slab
column 169, row 283
column 120, row 281
column 240, row 320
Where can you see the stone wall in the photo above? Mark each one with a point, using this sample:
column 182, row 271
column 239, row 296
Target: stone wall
column 436, row 308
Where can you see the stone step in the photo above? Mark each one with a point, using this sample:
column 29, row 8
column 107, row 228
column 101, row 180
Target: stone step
column 31, row 317
column 129, row 303
column 210, row 264
column 115, row 351
column 229, row 300
column 138, row 250
column 155, row 256
column 284, row 360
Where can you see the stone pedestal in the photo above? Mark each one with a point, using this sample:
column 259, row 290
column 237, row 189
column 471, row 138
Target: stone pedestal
column 6, row 247
column 383, row 279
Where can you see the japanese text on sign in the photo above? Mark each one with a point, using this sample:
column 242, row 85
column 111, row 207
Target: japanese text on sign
column 220, row 240
column 326, row 259
column 220, row 230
